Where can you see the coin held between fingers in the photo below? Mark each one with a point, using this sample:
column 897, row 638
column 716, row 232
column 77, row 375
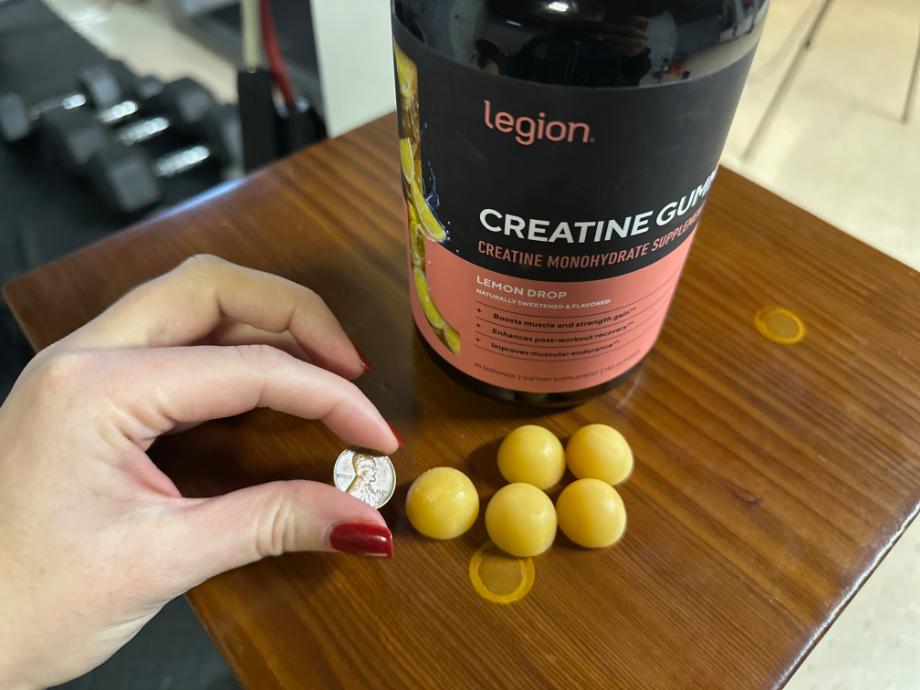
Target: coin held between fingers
column 365, row 474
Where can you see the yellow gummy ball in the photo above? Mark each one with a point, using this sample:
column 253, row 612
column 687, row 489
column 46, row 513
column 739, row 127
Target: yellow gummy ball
column 442, row 503
column 600, row 452
column 591, row 513
column 521, row 520
column 533, row 455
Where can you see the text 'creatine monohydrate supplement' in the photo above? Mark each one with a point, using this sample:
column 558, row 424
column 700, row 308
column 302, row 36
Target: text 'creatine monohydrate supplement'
column 556, row 158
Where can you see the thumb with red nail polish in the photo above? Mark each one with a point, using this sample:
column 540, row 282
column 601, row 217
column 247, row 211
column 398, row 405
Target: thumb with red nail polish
column 362, row 539
column 270, row 519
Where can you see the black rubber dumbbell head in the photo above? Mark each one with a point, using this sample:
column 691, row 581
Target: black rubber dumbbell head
column 223, row 134
column 123, row 176
column 101, row 86
column 15, row 122
column 74, row 136
column 124, row 74
column 186, row 102
column 147, row 90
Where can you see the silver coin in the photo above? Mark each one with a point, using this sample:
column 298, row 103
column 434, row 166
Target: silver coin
column 366, row 475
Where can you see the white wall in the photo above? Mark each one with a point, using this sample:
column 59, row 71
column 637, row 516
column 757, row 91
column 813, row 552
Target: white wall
column 354, row 48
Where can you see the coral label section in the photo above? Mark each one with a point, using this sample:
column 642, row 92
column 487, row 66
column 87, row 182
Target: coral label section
column 541, row 336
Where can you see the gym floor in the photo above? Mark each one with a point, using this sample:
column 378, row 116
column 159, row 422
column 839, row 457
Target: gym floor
column 835, row 145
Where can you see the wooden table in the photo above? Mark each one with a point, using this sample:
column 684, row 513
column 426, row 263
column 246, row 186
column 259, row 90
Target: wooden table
column 770, row 479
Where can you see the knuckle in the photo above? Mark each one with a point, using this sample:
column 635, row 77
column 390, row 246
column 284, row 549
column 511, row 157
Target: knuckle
column 307, row 308
column 349, row 400
column 276, row 530
column 310, row 299
column 313, row 296
column 347, row 396
column 63, row 369
column 201, row 263
column 260, row 358
column 350, row 392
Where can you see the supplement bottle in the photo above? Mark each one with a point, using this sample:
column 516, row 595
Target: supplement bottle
column 556, row 158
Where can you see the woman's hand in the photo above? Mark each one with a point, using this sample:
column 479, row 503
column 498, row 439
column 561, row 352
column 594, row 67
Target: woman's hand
column 94, row 539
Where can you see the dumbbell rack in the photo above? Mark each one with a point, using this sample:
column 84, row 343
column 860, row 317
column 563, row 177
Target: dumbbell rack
column 44, row 211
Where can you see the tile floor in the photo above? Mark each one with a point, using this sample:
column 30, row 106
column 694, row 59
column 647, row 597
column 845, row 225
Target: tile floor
column 835, row 146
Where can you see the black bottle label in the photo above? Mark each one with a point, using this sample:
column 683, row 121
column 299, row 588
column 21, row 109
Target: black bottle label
column 548, row 225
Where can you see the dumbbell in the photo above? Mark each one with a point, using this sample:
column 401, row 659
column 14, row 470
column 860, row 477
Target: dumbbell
column 128, row 180
column 75, row 135
column 102, row 86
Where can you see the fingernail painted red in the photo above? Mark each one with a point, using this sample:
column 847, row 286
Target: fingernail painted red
column 396, row 434
column 362, row 539
column 364, row 362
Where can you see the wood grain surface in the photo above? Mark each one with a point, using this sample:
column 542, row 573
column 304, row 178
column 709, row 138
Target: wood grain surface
column 770, row 479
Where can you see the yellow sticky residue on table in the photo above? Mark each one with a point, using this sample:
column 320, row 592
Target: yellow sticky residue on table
column 779, row 325
column 499, row 577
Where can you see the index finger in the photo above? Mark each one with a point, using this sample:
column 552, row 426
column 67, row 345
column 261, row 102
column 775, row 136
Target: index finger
column 163, row 388
column 186, row 304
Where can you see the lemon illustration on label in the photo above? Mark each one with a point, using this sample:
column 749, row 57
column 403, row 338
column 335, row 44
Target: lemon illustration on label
column 424, row 297
column 421, row 216
column 451, row 338
column 417, row 246
column 407, row 74
column 407, row 158
column 430, row 223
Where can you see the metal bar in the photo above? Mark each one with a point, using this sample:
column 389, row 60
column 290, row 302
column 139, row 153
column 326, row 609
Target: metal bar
column 786, row 81
column 143, row 130
column 68, row 102
column 180, row 161
column 912, row 86
column 118, row 112
column 73, row 101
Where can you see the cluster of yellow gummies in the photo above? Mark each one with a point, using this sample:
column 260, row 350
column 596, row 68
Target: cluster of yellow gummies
column 520, row 518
